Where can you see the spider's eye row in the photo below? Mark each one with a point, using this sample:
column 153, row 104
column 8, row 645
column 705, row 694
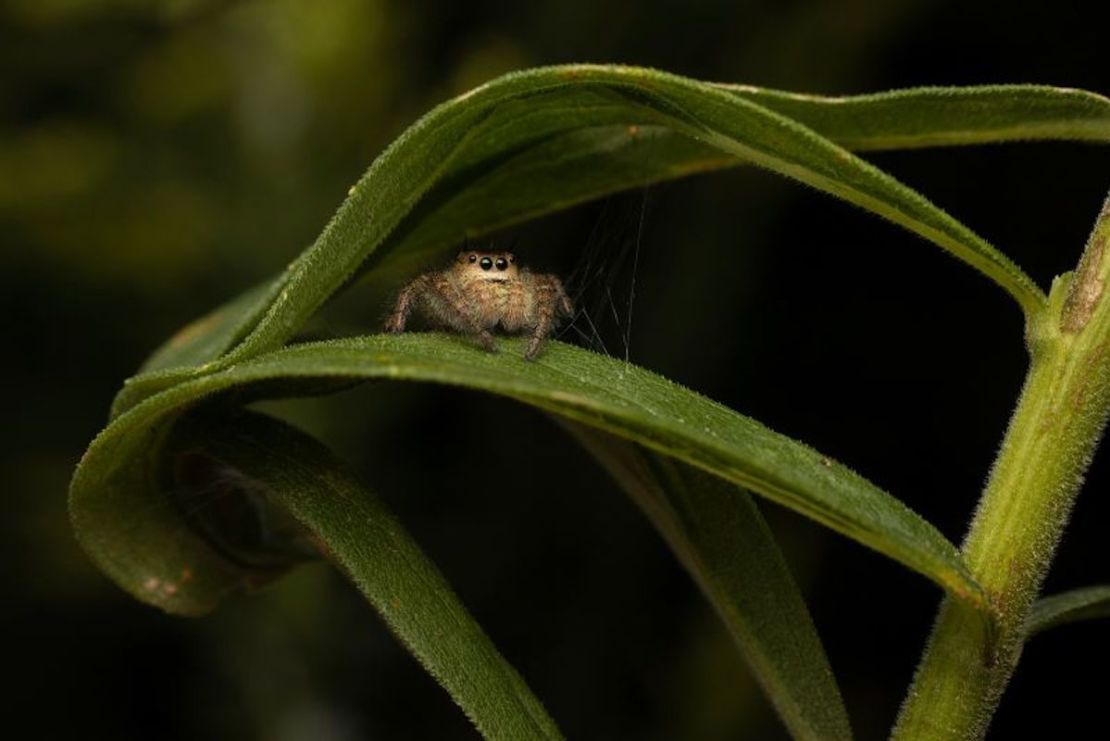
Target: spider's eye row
column 486, row 263
column 473, row 258
column 502, row 263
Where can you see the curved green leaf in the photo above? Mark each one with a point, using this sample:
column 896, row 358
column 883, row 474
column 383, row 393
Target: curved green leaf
column 537, row 141
column 1069, row 607
column 716, row 531
column 124, row 519
column 364, row 539
column 482, row 130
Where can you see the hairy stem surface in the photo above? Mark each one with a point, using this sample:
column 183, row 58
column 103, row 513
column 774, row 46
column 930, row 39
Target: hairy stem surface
column 1052, row 436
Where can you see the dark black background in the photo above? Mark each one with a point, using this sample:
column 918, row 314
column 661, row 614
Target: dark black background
column 156, row 161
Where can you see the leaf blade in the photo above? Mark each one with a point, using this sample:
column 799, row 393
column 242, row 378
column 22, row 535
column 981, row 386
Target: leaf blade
column 368, row 542
column 569, row 382
column 1072, row 606
column 607, row 155
column 521, row 109
column 944, row 116
column 719, row 535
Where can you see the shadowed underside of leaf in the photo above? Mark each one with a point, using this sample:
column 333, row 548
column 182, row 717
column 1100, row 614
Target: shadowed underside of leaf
column 538, row 141
column 1069, row 607
column 363, row 538
column 717, row 532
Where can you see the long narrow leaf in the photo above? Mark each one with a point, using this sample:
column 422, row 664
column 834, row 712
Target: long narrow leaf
column 1069, row 607
column 112, row 499
column 537, row 141
column 716, row 531
column 944, row 116
column 364, row 538
column 479, row 131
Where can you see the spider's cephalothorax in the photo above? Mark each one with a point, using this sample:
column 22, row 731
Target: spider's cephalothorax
column 482, row 291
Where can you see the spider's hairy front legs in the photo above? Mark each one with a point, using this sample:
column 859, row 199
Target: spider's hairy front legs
column 443, row 303
column 405, row 300
column 552, row 303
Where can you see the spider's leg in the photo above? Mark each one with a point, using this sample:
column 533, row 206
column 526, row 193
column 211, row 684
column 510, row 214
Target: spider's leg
column 566, row 308
column 406, row 300
column 548, row 302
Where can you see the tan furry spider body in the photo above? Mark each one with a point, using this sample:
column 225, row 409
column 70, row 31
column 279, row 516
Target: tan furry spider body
column 482, row 291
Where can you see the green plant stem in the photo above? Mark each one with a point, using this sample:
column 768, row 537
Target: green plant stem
column 1049, row 444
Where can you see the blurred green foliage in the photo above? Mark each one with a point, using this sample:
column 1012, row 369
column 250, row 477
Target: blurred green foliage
column 158, row 157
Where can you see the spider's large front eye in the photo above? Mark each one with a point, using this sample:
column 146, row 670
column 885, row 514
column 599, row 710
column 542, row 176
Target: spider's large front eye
column 502, row 263
column 486, row 263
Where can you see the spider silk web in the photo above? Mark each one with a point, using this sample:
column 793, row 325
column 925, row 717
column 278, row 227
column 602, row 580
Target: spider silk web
column 602, row 284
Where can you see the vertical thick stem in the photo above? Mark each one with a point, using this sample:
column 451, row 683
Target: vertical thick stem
column 1053, row 434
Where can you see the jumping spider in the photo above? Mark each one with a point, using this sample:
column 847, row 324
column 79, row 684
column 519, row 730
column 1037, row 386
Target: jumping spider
column 481, row 290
